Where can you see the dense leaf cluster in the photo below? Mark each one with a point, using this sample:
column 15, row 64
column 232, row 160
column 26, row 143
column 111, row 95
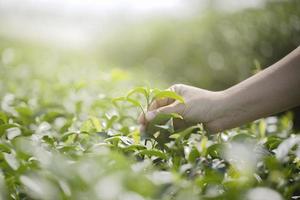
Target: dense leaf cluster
column 50, row 152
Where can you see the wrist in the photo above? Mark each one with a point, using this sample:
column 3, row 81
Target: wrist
column 233, row 112
column 226, row 112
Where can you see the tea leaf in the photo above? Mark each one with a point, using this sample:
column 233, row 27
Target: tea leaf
column 262, row 128
column 153, row 152
column 141, row 90
column 11, row 161
column 3, row 118
column 91, row 125
column 168, row 94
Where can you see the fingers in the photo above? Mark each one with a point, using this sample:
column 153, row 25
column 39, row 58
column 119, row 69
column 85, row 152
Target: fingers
column 166, row 101
column 157, row 103
column 172, row 108
column 164, row 105
column 178, row 88
column 150, row 115
column 142, row 119
column 154, row 105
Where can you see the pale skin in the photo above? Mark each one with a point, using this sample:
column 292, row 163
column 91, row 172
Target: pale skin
column 268, row 92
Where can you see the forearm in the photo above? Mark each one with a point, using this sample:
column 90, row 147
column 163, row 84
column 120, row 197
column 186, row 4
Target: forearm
column 273, row 90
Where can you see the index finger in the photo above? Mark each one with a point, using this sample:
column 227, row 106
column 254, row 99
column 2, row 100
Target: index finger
column 157, row 103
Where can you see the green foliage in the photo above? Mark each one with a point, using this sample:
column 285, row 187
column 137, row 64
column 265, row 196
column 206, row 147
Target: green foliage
column 48, row 152
column 65, row 133
column 149, row 96
column 91, row 125
column 214, row 49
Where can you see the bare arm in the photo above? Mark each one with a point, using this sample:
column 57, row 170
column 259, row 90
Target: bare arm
column 272, row 90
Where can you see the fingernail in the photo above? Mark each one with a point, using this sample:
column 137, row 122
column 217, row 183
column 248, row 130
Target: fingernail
column 150, row 115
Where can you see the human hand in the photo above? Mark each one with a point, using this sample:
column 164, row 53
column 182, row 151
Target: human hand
column 201, row 106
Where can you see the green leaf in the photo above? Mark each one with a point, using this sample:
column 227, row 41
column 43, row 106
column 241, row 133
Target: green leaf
column 5, row 148
column 243, row 137
column 163, row 118
column 183, row 134
column 175, row 136
column 66, row 135
column 273, row 142
column 134, row 102
column 194, row 154
column 141, row 90
column 134, row 147
column 153, row 152
column 110, row 121
column 113, row 140
column 168, row 94
column 48, row 140
column 286, row 120
column 168, row 126
column 11, row 160
column 24, row 111
column 4, row 127
column 135, row 136
column 162, row 125
column 215, row 150
column 262, row 128
column 176, row 116
column 51, row 115
column 92, row 125
column 203, row 145
column 3, row 118
column 129, row 100
column 117, row 99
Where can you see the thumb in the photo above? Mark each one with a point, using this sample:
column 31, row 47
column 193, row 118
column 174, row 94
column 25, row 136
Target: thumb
column 173, row 108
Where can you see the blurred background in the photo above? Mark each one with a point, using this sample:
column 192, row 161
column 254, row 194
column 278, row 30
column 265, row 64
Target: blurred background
column 211, row 44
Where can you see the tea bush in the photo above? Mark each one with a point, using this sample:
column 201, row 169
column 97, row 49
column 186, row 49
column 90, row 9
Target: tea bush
column 66, row 137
